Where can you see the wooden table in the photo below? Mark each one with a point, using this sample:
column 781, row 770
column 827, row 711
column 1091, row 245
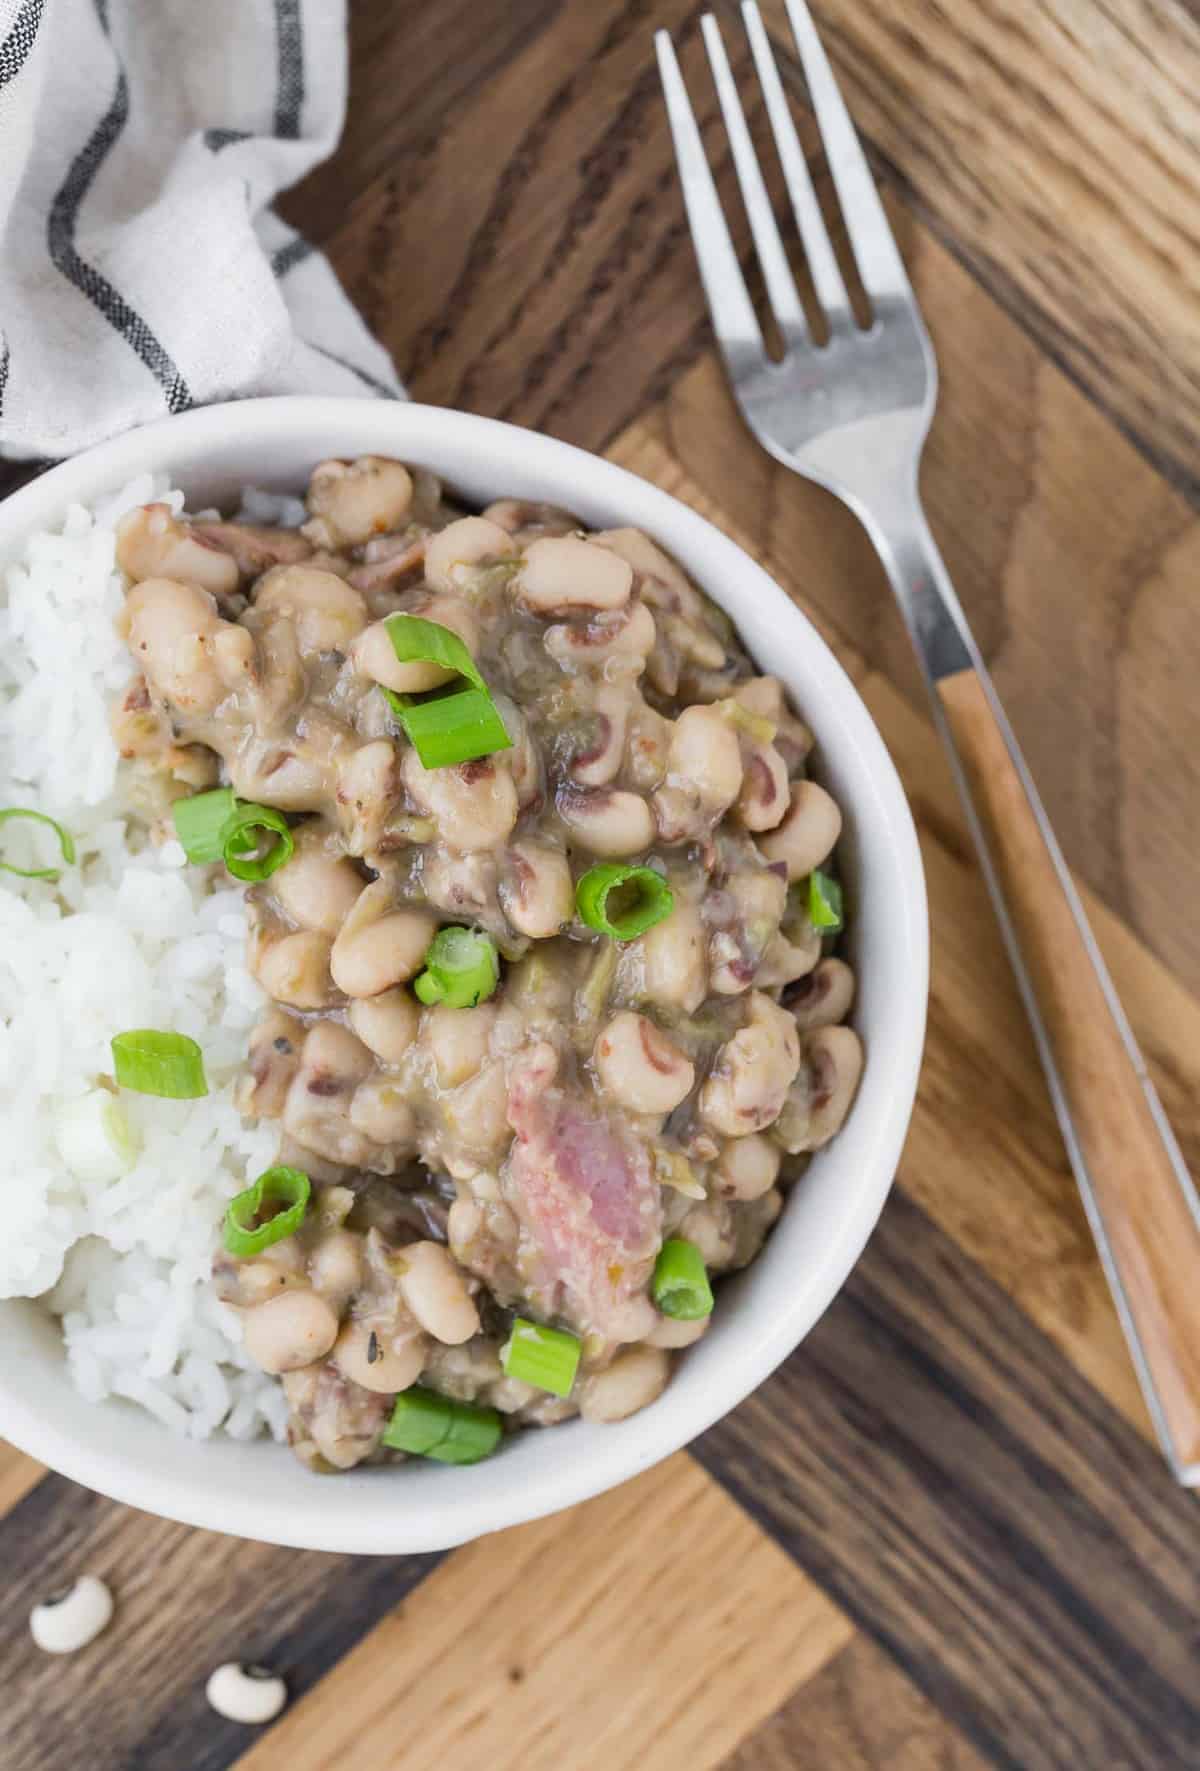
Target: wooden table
column 941, row 1535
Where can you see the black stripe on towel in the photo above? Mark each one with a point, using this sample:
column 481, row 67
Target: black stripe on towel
column 289, row 96
column 287, row 257
column 379, row 387
column 60, row 239
column 5, row 357
column 15, row 48
column 216, row 139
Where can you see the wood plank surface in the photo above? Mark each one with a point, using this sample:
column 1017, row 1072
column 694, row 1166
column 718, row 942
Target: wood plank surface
column 941, row 1536
column 653, row 1626
column 858, row 1714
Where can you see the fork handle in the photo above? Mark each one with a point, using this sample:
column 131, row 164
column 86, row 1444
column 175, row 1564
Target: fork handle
column 1139, row 1198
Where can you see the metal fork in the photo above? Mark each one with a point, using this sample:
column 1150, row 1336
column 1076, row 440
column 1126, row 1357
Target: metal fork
column 853, row 416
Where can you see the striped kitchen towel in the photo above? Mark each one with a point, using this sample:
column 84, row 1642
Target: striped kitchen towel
column 142, row 270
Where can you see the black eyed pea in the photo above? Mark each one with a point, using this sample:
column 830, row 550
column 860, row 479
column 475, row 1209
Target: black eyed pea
column 350, row 501
column 536, row 892
column 434, row 1289
column 763, row 797
column 170, row 629
column 374, row 655
column 810, row 828
column 368, row 789
column 617, row 644
column 318, row 888
column 295, row 969
column 328, row 613
column 747, row 1167
column 519, row 517
column 671, row 959
column 380, row 1353
column 600, row 760
column 476, row 1119
column 787, row 959
column 824, row 997
column 455, row 553
column 709, row 1226
column 561, row 574
column 387, row 1023
column 606, row 820
column 673, row 1333
column 705, row 759
column 289, row 1331
column 474, row 805
column 823, row 1092
column 67, row 1621
column 251, row 1695
column 633, row 1380
column 335, row 1266
column 153, row 543
column 752, row 1072
column 646, row 748
column 661, row 581
column 379, row 947
column 639, row 1067
column 458, row 1039
column 381, row 1111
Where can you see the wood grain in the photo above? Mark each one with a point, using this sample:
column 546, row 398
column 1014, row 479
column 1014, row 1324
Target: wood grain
column 859, row 1714
column 1149, row 1219
column 1054, row 144
column 655, row 1625
column 18, row 1474
column 1019, row 1551
column 186, row 1601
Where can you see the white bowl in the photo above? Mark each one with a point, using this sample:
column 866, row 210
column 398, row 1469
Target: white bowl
column 259, row 1490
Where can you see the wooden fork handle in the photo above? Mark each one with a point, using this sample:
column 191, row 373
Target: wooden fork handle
column 1139, row 1197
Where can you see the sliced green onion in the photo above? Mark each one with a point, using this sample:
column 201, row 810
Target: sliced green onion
column 642, row 899
column 462, row 968
column 94, row 1138
column 428, row 1425
column 247, row 1231
column 217, row 826
column 167, row 1064
column 199, row 822
column 454, row 724
column 825, row 902
column 680, row 1287
column 547, row 1358
column 66, row 843
column 241, row 843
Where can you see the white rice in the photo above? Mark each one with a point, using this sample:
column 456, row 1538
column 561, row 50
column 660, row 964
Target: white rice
column 130, row 937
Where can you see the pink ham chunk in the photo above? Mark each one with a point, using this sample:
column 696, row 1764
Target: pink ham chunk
column 581, row 1186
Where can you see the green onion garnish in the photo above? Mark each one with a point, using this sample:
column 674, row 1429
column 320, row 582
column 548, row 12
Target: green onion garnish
column 825, row 902
column 167, row 1064
column 454, row 724
column 247, row 1232
column 242, row 843
column 217, row 826
column 680, row 1286
column 65, row 842
column 547, row 1358
column 199, row 822
column 462, row 968
column 428, row 1425
column 642, row 898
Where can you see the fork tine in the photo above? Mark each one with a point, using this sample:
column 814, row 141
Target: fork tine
column 781, row 286
column 879, row 264
column 822, row 265
column 729, row 302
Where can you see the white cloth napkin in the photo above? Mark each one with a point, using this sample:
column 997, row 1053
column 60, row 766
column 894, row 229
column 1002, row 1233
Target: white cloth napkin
column 141, row 269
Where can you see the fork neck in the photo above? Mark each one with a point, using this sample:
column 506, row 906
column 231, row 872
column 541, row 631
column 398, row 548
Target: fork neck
column 890, row 510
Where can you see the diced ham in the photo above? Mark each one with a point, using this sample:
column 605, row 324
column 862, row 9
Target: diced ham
column 582, row 1187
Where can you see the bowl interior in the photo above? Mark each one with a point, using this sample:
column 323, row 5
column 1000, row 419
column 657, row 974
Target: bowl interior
column 258, row 1490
